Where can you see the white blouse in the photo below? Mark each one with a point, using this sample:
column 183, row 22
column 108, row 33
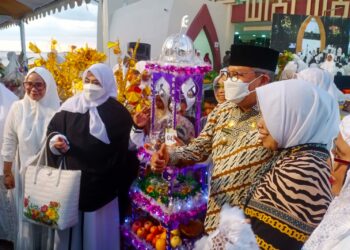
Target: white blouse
column 6, row 100
column 11, row 139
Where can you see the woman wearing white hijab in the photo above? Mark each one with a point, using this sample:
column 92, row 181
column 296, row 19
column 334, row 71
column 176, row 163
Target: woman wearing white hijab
column 24, row 135
column 7, row 211
column 92, row 133
column 329, row 64
column 334, row 230
column 324, row 80
column 292, row 190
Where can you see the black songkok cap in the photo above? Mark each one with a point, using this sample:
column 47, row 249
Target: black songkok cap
column 254, row 56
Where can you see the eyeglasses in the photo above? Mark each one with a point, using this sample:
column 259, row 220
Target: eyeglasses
column 236, row 74
column 36, row 85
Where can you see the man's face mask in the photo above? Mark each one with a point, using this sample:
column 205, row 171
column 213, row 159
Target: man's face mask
column 236, row 90
column 92, row 91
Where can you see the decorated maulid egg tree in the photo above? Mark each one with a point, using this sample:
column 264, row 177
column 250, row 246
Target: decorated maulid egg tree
column 174, row 200
column 180, row 69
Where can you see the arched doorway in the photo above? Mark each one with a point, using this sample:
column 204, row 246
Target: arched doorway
column 303, row 27
column 203, row 21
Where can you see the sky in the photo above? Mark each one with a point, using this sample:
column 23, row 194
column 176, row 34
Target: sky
column 76, row 26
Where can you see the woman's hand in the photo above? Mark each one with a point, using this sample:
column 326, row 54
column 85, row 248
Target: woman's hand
column 61, row 145
column 9, row 181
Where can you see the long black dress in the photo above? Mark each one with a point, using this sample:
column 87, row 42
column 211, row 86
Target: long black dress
column 104, row 166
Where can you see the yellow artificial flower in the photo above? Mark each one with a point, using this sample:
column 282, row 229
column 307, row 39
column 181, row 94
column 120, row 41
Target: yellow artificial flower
column 147, row 90
column 115, row 46
column 53, row 44
column 39, row 62
column 138, row 108
column 50, row 213
column 68, row 73
column 34, row 48
column 133, row 97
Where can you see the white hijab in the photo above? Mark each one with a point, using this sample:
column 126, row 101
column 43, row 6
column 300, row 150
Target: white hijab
column 289, row 71
column 322, row 79
column 37, row 114
column 79, row 104
column 334, row 230
column 329, row 65
column 6, row 100
column 344, row 128
column 296, row 112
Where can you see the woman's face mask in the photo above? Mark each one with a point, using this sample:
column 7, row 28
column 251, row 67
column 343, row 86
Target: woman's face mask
column 92, row 91
column 237, row 90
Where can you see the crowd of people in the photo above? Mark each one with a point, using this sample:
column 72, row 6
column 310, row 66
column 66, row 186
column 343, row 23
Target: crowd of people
column 271, row 149
column 90, row 139
column 277, row 150
column 332, row 59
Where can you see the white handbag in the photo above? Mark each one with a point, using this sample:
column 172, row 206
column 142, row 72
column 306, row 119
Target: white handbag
column 51, row 195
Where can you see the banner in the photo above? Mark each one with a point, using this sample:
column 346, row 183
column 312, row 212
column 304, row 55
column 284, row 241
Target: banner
column 322, row 41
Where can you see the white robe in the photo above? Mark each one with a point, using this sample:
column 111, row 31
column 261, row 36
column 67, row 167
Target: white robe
column 329, row 66
column 24, row 134
column 334, row 230
column 18, row 152
column 100, row 231
column 7, row 210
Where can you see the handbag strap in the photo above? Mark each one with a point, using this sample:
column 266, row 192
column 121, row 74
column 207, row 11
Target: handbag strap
column 43, row 150
column 43, row 153
column 62, row 165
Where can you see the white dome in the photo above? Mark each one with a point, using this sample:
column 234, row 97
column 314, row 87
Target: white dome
column 177, row 48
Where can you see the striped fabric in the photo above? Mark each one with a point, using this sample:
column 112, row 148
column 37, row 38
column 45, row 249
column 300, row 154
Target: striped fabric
column 230, row 135
column 291, row 198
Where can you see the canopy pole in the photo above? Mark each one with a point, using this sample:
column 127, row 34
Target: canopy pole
column 23, row 41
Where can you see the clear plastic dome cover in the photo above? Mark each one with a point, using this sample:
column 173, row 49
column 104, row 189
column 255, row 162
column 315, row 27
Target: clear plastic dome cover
column 177, row 48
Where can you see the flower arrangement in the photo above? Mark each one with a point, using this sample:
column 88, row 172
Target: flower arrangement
column 67, row 74
column 46, row 214
column 133, row 88
column 283, row 59
column 157, row 187
column 210, row 76
column 335, row 30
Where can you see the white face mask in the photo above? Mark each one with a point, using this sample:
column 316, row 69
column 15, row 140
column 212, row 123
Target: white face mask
column 236, row 91
column 92, row 91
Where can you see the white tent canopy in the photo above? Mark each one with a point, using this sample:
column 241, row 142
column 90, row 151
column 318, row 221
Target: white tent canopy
column 12, row 11
column 16, row 12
